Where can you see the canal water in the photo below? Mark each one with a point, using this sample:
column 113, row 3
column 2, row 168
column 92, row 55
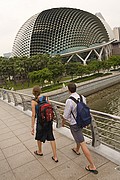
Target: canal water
column 107, row 100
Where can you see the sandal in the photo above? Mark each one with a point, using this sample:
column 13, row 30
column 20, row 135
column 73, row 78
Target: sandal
column 91, row 170
column 75, row 151
column 35, row 152
column 54, row 159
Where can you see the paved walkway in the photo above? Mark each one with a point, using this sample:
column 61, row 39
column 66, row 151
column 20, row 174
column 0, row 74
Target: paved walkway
column 61, row 90
column 17, row 161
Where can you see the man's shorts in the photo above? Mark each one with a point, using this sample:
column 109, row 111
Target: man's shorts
column 77, row 133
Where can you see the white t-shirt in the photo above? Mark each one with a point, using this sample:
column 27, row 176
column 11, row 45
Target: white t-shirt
column 70, row 106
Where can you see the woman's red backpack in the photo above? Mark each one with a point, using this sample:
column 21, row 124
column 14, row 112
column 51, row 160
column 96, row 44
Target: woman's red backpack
column 45, row 111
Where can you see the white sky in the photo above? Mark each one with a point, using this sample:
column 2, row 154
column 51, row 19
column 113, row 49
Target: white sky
column 13, row 14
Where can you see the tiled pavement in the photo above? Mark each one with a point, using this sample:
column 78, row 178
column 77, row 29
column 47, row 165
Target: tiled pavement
column 17, row 161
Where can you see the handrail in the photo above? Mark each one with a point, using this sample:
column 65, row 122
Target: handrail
column 105, row 128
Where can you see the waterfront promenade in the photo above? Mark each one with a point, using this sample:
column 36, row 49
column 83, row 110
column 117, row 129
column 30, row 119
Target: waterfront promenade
column 88, row 88
column 18, row 162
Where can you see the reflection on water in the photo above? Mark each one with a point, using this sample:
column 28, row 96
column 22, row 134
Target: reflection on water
column 107, row 100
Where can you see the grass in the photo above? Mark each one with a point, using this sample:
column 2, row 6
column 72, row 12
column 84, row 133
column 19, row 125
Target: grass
column 90, row 77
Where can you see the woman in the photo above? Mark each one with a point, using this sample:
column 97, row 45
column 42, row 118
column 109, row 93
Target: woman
column 42, row 133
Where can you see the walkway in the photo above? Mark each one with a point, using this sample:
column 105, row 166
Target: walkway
column 62, row 90
column 18, row 162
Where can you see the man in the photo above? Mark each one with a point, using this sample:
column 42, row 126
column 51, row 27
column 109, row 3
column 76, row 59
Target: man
column 75, row 130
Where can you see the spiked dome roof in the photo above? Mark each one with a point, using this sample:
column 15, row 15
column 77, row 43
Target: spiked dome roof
column 58, row 31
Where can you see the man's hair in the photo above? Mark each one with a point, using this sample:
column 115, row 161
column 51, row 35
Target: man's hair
column 36, row 91
column 72, row 87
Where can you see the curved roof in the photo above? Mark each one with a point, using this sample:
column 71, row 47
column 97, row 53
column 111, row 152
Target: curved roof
column 107, row 27
column 59, row 30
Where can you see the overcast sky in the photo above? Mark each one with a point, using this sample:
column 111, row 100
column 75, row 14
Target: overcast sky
column 13, row 14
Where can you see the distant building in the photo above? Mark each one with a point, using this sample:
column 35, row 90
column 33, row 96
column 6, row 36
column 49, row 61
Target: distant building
column 116, row 44
column 116, row 48
column 7, row 55
column 116, row 31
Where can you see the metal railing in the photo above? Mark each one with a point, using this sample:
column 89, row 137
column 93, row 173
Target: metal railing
column 105, row 128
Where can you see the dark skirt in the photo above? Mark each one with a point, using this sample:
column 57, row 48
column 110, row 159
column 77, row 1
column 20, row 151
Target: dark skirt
column 44, row 132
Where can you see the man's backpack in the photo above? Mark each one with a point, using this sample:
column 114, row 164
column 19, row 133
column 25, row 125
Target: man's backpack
column 83, row 117
column 45, row 110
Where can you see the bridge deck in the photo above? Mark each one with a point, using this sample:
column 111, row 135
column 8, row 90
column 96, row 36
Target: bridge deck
column 17, row 160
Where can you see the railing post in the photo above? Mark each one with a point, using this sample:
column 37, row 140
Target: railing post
column 0, row 93
column 15, row 99
column 8, row 96
column 3, row 94
column 58, row 117
column 25, row 106
column 95, row 135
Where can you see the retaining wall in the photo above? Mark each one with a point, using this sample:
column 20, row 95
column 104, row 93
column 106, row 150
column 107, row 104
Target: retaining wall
column 87, row 88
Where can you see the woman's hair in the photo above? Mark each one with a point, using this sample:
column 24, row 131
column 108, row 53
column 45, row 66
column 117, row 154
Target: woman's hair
column 72, row 87
column 36, row 91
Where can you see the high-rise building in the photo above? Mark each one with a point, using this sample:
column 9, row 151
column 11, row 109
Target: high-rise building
column 116, row 31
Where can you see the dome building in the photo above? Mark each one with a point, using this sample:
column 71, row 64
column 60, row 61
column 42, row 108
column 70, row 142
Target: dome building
column 64, row 31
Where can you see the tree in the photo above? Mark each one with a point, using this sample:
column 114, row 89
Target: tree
column 95, row 65
column 106, row 65
column 56, row 67
column 71, row 68
column 4, row 70
column 41, row 75
column 115, row 61
column 81, row 70
column 39, row 62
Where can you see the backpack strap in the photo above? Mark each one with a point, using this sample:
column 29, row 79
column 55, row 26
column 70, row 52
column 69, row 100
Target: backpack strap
column 76, row 101
column 81, row 98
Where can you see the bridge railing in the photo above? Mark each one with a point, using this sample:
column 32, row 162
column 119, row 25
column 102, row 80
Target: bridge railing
column 24, row 100
column 105, row 128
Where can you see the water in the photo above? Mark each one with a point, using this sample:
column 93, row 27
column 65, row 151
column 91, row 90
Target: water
column 107, row 100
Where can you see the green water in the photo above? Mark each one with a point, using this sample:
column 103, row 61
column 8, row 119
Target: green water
column 107, row 100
